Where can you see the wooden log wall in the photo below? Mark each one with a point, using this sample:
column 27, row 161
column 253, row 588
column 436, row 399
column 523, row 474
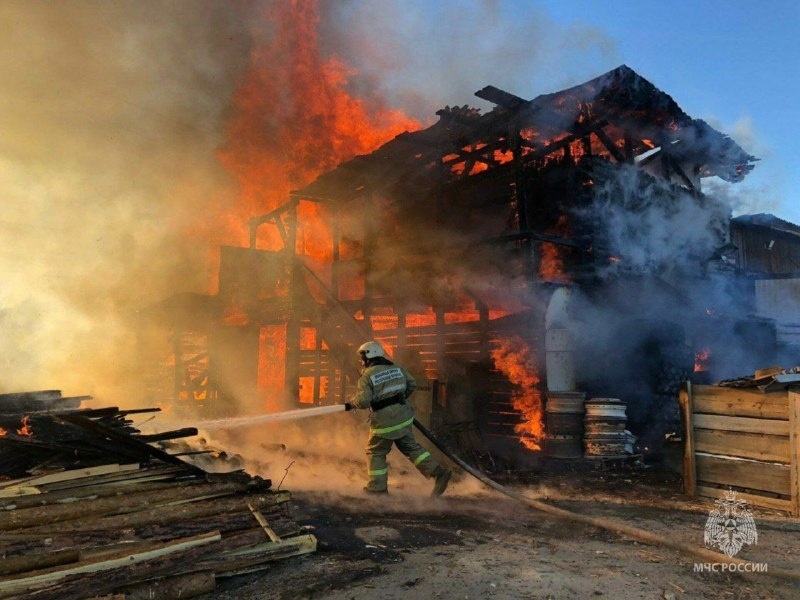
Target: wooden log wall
column 745, row 440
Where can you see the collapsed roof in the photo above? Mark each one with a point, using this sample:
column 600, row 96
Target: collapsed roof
column 627, row 113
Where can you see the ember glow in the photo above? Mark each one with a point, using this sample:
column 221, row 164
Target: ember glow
column 25, row 426
column 551, row 265
column 513, row 358
column 701, row 358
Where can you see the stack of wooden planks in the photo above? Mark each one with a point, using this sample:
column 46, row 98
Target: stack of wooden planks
column 743, row 440
column 90, row 507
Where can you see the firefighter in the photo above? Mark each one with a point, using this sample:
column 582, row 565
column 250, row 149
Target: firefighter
column 385, row 388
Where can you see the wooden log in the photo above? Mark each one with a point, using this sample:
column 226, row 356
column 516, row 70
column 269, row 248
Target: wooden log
column 80, row 587
column 168, row 435
column 685, row 399
column 117, row 549
column 18, row 585
column 7, row 487
column 30, row 406
column 122, row 503
column 29, row 544
column 39, row 396
column 164, row 514
column 255, row 558
column 127, row 441
column 86, row 493
column 10, row 565
column 226, row 524
column 124, row 477
column 138, row 411
column 264, row 524
column 25, row 456
column 610, row 145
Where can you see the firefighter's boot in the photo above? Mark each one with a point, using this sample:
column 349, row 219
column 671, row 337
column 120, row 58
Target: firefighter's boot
column 442, row 477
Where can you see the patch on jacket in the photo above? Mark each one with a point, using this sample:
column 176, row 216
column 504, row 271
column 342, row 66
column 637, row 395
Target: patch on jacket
column 387, row 375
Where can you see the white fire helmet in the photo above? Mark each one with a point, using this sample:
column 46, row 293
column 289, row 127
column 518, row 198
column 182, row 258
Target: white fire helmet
column 371, row 350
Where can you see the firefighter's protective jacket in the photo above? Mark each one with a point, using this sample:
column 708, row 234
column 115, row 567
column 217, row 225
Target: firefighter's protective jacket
column 379, row 383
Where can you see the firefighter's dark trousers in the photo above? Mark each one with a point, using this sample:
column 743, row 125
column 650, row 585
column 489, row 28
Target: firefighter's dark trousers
column 377, row 450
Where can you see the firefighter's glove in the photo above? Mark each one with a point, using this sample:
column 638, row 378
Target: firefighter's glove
column 348, row 406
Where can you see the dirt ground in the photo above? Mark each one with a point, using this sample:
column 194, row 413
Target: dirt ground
column 477, row 543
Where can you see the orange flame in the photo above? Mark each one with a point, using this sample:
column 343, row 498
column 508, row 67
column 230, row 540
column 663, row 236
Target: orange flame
column 3, row 432
column 513, row 358
column 701, row 358
column 271, row 372
column 293, row 120
column 25, row 426
column 551, row 265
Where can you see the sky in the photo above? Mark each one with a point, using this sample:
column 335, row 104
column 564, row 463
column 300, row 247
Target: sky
column 122, row 126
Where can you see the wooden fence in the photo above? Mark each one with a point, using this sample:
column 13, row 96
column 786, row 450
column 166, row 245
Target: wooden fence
column 744, row 440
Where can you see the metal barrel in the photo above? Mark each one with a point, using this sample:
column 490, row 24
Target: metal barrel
column 564, row 414
column 604, row 425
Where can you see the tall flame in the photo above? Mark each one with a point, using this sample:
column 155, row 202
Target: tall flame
column 513, row 358
column 293, row 118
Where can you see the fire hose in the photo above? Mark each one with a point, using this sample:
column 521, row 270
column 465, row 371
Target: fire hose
column 617, row 528
column 640, row 535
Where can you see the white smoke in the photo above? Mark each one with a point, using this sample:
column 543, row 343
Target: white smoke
column 421, row 60
column 651, row 229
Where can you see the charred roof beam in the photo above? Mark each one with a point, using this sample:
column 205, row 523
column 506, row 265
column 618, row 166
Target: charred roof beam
column 579, row 133
column 618, row 155
column 275, row 216
column 501, row 98
column 482, row 154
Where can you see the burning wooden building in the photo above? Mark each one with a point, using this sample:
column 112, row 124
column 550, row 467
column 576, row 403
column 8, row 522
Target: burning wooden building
column 448, row 245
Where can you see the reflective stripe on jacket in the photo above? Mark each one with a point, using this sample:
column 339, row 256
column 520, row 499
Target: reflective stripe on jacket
column 380, row 382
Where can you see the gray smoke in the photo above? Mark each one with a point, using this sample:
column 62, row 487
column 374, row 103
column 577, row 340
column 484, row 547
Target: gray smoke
column 111, row 113
column 420, row 60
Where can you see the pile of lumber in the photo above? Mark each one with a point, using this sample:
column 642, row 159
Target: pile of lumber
column 90, row 507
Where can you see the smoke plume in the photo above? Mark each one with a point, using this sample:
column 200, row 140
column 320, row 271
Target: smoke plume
column 111, row 112
column 138, row 137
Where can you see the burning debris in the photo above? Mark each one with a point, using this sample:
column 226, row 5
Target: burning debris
column 447, row 244
column 84, row 493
